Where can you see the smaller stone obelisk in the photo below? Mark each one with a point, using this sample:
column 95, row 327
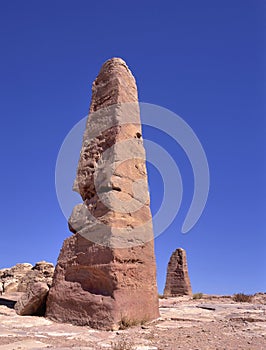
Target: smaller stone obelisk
column 177, row 279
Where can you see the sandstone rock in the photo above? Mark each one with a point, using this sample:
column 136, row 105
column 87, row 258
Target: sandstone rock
column 177, row 279
column 106, row 271
column 19, row 277
column 33, row 301
column 11, row 277
column 41, row 272
column 259, row 298
column 182, row 326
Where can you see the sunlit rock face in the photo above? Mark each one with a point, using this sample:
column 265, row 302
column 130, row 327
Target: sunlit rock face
column 106, row 273
column 177, row 279
column 18, row 278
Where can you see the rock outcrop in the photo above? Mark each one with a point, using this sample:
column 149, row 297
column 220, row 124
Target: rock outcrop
column 33, row 301
column 106, row 274
column 19, row 277
column 177, row 279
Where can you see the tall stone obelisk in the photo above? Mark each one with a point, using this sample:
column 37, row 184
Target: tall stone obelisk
column 106, row 272
column 177, row 278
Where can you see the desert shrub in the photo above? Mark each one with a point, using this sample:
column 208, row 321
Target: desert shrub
column 242, row 298
column 126, row 323
column 197, row 296
column 160, row 296
column 122, row 345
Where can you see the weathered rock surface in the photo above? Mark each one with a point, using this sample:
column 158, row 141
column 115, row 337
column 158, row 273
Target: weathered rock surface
column 106, row 273
column 259, row 298
column 19, row 277
column 183, row 325
column 33, row 301
column 177, row 279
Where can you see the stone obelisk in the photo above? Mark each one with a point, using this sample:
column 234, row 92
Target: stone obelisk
column 177, row 279
column 106, row 272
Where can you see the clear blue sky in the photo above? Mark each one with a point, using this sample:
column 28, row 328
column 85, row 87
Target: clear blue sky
column 204, row 60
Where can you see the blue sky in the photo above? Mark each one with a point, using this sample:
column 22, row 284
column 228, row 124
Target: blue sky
column 204, row 60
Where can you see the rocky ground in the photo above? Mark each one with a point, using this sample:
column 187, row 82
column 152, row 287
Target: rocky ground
column 212, row 322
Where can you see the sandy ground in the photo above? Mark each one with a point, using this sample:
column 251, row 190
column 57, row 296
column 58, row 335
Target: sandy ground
column 216, row 323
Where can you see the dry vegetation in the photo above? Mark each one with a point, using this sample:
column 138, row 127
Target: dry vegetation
column 197, row 296
column 122, row 345
column 242, row 298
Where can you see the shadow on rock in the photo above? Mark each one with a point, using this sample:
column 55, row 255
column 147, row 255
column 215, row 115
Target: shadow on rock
column 7, row 302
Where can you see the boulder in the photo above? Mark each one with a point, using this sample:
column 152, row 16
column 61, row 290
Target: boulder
column 42, row 271
column 19, row 277
column 33, row 301
column 11, row 277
